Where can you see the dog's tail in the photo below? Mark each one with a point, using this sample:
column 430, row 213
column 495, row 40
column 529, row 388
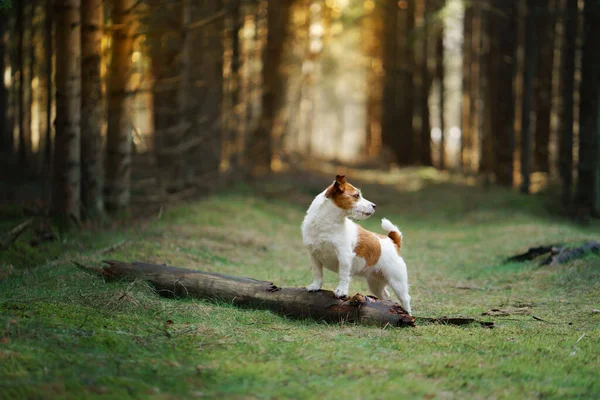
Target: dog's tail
column 393, row 232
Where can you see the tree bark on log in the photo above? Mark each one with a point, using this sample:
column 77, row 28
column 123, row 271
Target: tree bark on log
column 246, row 292
column 296, row 303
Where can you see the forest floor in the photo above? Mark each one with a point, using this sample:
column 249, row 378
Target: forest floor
column 67, row 334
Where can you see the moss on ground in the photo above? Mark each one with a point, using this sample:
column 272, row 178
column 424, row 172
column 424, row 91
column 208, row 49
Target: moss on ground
column 67, row 334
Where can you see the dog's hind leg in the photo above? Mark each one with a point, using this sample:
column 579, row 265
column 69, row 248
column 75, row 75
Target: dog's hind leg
column 317, row 270
column 401, row 289
column 377, row 286
column 398, row 281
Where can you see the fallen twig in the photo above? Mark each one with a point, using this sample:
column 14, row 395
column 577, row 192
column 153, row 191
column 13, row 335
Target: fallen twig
column 11, row 236
column 112, row 248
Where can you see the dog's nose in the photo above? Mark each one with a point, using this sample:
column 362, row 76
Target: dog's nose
column 374, row 205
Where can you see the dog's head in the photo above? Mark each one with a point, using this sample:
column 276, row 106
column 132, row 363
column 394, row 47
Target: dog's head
column 348, row 198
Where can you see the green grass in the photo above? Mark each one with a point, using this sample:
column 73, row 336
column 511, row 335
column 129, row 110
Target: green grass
column 67, row 334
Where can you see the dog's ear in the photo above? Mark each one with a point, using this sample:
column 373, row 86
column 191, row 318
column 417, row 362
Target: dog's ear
column 338, row 186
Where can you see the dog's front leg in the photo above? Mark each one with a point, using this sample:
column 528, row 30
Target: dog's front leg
column 317, row 269
column 345, row 266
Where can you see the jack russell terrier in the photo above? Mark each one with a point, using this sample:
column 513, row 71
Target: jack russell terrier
column 340, row 245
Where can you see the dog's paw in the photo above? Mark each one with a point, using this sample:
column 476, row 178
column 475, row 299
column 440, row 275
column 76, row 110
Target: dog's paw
column 340, row 293
column 313, row 287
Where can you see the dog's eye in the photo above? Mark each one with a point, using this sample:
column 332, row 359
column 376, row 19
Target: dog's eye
column 356, row 196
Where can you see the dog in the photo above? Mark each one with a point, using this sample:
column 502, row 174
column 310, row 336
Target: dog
column 337, row 243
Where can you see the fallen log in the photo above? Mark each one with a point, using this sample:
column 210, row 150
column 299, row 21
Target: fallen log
column 557, row 254
column 294, row 303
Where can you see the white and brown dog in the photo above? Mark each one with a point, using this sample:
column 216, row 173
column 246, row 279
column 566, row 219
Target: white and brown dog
column 340, row 245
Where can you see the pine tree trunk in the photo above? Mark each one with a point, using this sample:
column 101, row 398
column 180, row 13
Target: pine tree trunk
column 30, row 89
column 48, row 45
column 398, row 98
column 119, row 141
column 68, row 108
column 588, row 186
column 486, row 161
column 567, row 92
column 261, row 146
column 466, row 129
column 425, row 131
column 529, row 61
column 211, row 99
column 503, row 42
column 390, row 134
column 4, row 131
column 545, row 23
column 405, row 87
column 439, row 74
column 24, row 43
column 476, row 113
column 236, row 130
column 164, row 49
column 92, row 108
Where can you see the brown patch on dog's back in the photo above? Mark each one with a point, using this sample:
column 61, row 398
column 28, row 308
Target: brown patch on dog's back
column 343, row 194
column 368, row 246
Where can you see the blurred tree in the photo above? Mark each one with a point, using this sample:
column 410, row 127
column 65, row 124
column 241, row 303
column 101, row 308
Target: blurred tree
column 529, row 61
column 503, row 43
column 119, row 141
column 466, row 149
column 49, row 48
column 92, row 108
column 66, row 205
column 439, row 76
column 236, row 80
column 567, row 80
column 398, row 88
column 5, row 133
column 545, row 25
column 587, row 198
column 427, row 8
column 260, row 147
column 24, row 42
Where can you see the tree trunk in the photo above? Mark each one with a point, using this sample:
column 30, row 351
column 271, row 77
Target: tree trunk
column 245, row 292
column 398, row 87
column 5, row 143
column 588, row 186
column 390, row 105
column 92, row 108
column 68, row 107
column 273, row 78
column 529, row 60
column 210, row 99
column 373, row 28
column 486, row 158
column 119, row 141
column 476, row 113
column 30, row 89
column 503, row 42
column 466, row 129
column 48, row 45
column 439, row 74
column 545, row 23
column 567, row 92
column 24, row 43
column 236, row 130
column 425, row 131
column 164, row 47
column 405, row 87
